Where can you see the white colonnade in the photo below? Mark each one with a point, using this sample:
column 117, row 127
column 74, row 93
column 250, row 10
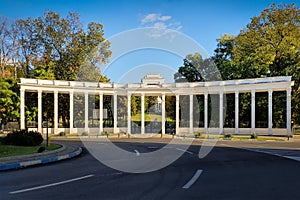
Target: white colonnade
column 154, row 85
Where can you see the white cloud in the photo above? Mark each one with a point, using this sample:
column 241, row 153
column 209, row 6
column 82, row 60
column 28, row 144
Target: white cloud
column 163, row 22
column 160, row 25
column 165, row 18
column 155, row 17
column 150, row 18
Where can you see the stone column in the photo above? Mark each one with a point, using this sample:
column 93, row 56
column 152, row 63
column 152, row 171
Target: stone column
column 270, row 111
column 252, row 111
column 177, row 113
column 163, row 114
column 129, row 113
column 143, row 113
column 22, row 109
column 115, row 112
column 288, row 112
column 55, row 111
column 221, row 112
column 191, row 114
column 86, row 112
column 40, row 111
column 71, row 111
column 236, row 120
column 206, row 112
column 100, row 113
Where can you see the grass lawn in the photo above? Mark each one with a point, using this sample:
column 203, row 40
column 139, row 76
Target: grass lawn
column 10, row 150
column 150, row 117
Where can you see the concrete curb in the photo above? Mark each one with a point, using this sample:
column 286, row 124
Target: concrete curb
column 45, row 160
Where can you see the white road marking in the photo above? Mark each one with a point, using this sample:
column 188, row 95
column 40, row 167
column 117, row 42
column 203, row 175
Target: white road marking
column 52, row 184
column 137, row 152
column 293, row 157
column 193, row 179
column 184, row 150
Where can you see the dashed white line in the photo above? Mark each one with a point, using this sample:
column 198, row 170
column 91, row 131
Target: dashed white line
column 51, row 185
column 184, row 150
column 193, row 179
column 137, row 152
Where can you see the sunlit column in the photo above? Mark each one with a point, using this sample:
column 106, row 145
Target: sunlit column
column 270, row 111
column 115, row 112
column 143, row 113
column 55, row 111
column 40, row 117
column 288, row 112
column 22, row 109
column 71, row 111
column 129, row 113
column 236, row 120
column 206, row 112
column 191, row 113
column 221, row 112
column 163, row 114
column 252, row 111
column 100, row 113
column 177, row 113
column 86, row 112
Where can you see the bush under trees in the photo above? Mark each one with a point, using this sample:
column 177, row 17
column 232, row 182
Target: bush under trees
column 23, row 138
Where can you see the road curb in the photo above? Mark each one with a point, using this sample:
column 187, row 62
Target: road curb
column 45, row 160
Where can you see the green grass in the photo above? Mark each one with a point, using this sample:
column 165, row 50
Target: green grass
column 10, row 150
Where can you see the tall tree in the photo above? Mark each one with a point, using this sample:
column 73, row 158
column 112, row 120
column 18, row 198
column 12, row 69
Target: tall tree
column 195, row 68
column 65, row 43
column 270, row 46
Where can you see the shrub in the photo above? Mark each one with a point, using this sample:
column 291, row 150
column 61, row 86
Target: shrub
column 198, row 135
column 23, row 138
column 41, row 149
column 253, row 136
column 62, row 133
column 84, row 133
column 227, row 136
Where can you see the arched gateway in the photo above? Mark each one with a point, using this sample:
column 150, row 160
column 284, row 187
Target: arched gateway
column 154, row 85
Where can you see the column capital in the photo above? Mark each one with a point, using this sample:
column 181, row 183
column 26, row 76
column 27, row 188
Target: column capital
column 71, row 92
column 237, row 92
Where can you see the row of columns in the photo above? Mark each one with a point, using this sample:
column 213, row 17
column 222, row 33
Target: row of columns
column 221, row 111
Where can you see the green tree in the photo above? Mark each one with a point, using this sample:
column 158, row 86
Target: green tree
column 270, row 46
column 9, row 100
column 65, row 43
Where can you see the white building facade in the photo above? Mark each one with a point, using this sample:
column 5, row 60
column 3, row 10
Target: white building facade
column 154, row 85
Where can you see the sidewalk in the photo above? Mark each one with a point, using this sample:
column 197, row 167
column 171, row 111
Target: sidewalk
column 15, row 162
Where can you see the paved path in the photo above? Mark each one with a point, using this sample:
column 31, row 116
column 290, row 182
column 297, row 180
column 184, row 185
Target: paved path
column 226, row 173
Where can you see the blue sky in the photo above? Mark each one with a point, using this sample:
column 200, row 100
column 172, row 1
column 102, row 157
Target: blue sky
column 201, row 20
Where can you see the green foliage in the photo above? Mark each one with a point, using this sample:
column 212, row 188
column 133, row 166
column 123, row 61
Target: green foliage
column 61, row 48
column 44, row 71
column 268, row 46
column 253, row 136
column 23, row 138
column 62, row 133
column 227, row 136
column 84, row 133
column 195, row 68
column 9, row 100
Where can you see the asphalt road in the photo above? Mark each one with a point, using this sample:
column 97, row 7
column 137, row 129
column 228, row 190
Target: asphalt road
column 226, row 173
